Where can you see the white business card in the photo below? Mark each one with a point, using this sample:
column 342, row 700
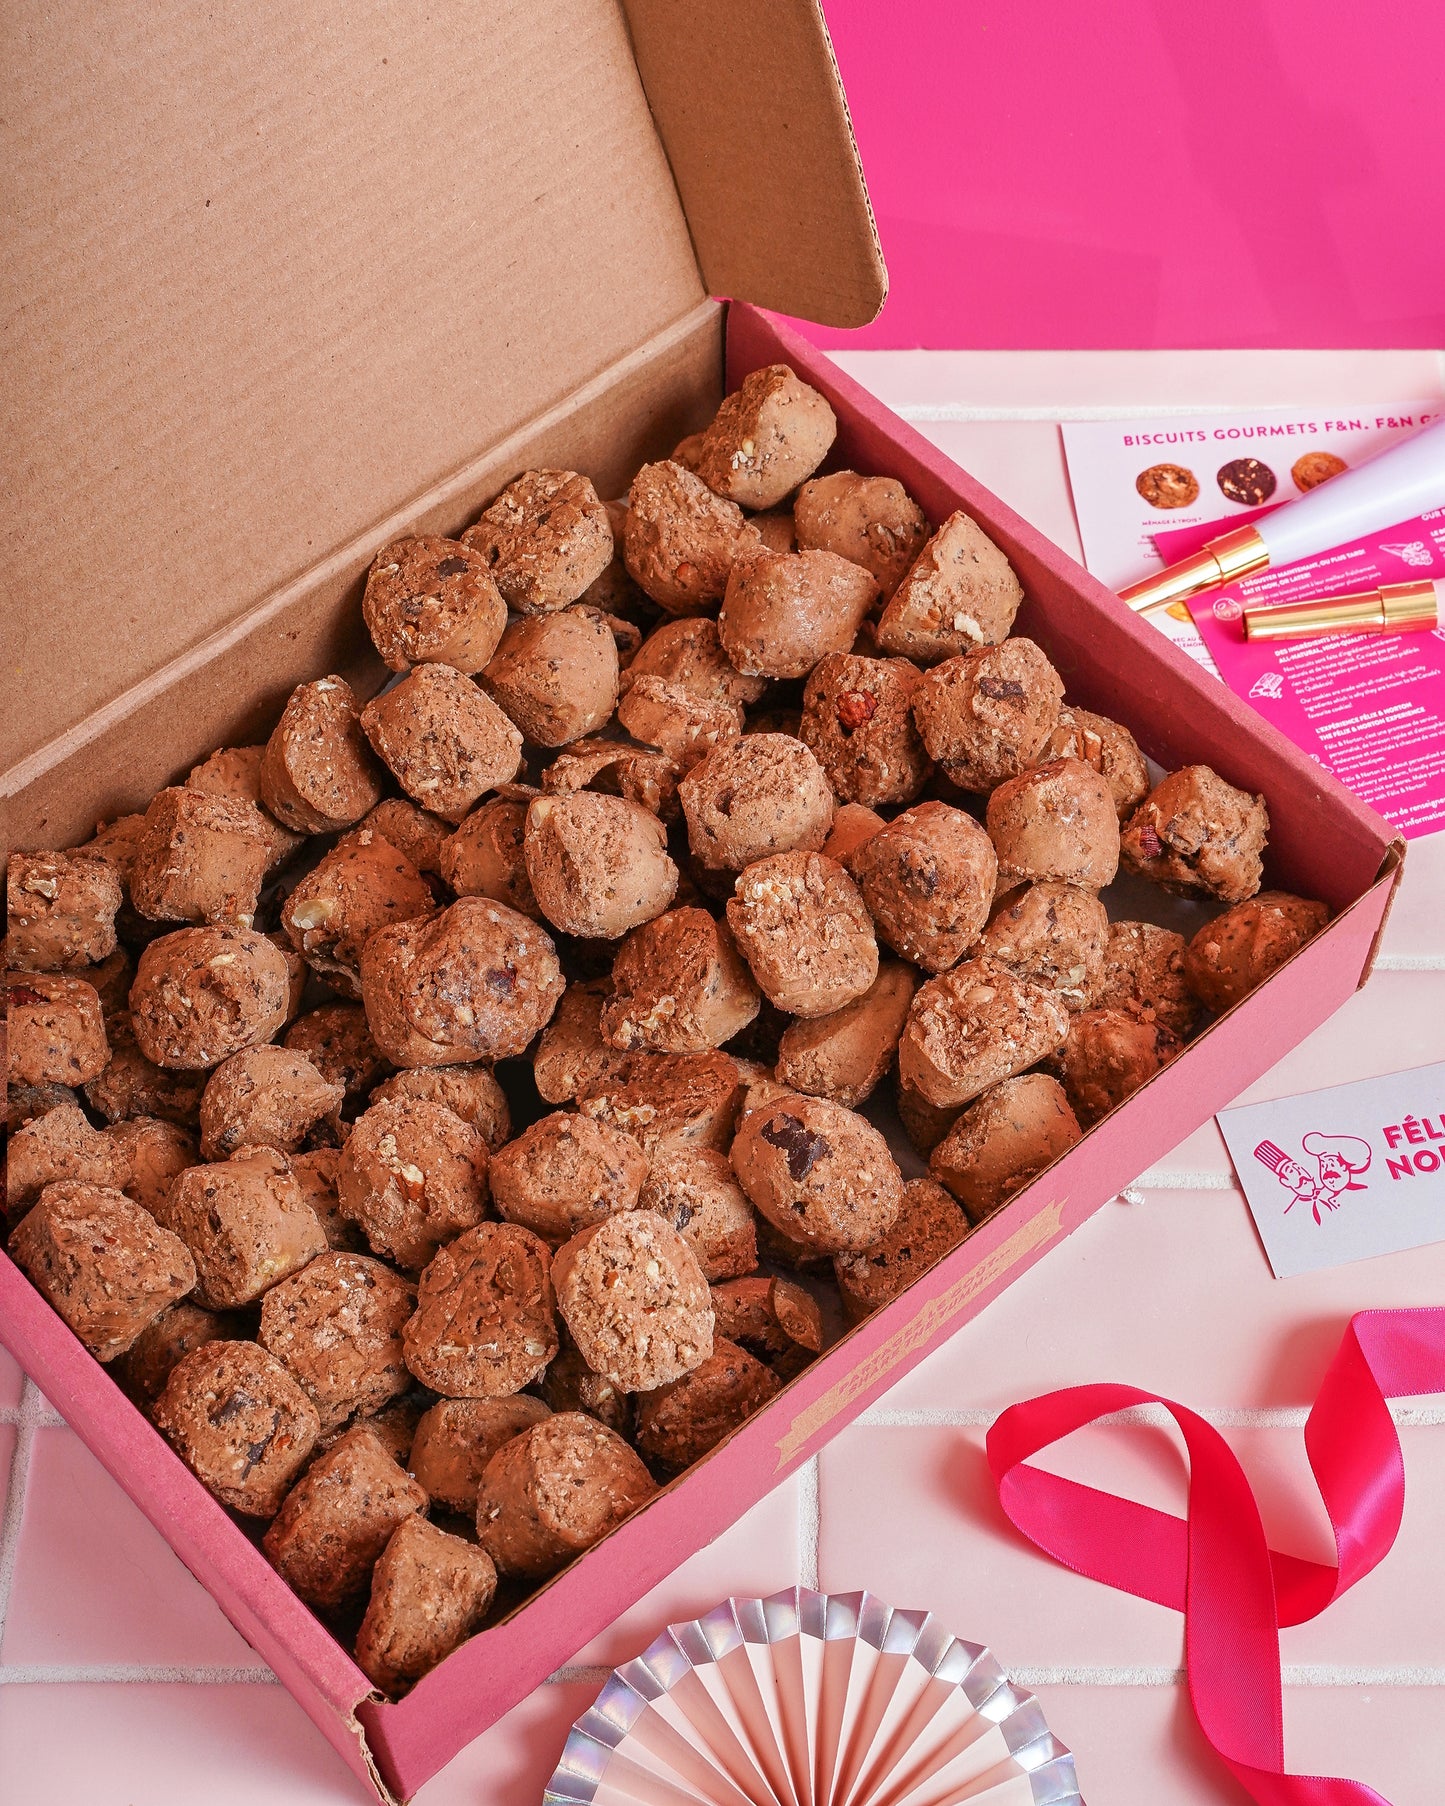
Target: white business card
column 1343, row 1174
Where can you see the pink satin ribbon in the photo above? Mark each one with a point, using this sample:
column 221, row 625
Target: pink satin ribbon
column 1216, row 1567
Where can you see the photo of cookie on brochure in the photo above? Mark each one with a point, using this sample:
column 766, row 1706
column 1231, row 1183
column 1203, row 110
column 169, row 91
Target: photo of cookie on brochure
column 1246, row 480
column 1168, row 486
column 1316, row 467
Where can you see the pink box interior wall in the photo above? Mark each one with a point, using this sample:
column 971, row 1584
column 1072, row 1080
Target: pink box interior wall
column 1325, row 843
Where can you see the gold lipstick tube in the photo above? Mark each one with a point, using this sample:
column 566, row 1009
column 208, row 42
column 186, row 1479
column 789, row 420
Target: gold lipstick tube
column 1393, row 608
column 1241, row 553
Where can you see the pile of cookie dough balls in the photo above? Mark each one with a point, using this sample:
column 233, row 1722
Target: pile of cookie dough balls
column 708, row 818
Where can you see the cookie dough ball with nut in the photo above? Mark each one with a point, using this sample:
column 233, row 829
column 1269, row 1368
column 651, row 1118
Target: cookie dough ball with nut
column 317, row 773
column 336, row 1327
column 845, row 1054
column 60, row 911
column 679, row 986
column 598, row 864
column 555, row 676
column 201, row 858
column 361, row 885
column 564, row 1173
column 696, row 1190
column 820, row 1173
column 415, row 833
column 1145, row 975
column 1003, row 1141
column 1109, row 747
column 753, row 797
column 485, row 857
column 432, row 601
column 56, row 1033
column 544, row 540
column 783, row 611
column 412, row 1176
column 486, row 1322
column 1235, row 952
column 681, row 1422
column 634, row 1300
column 775, row 1319
column 858, row 720
column 471, row 1092
column 974, row 1026
column 202, row 994
column 805, row 932
column 235, row 772
column 684, row 727
column 681, row 540
column 687, row 654
column 768, row 436
column 457, row 1437
column 60, row 1144
column 1195, row 832
column 240, row 1423
column 429, row 1591
column 269, row 1097
column 445, row 741
column 669, row 1100
column 960, row 593
column 928, row 879
column 1107, row 1056
column 1054, row 935
column 1056, row 822
column 246, row 1224
column 986, row 716
column 338, row 1043
column 475, row 982
column 929, row 1225
column 872, row 521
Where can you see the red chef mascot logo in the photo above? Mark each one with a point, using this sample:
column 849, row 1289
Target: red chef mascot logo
column 1338, row 1160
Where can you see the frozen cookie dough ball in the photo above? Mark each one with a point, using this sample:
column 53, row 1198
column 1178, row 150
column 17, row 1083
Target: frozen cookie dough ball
column 960, row 593
column 60, row 1143
column 598, row 864
column 845, row 1054
column 681, row 1422
column 154, row 1153
column 132, row 1085
column 201, row 859
column 852, row 825
column 683, row 727
column 1109, row 747
column 681, row 540
column 569, row 1384
column 749, row 798
column 471, row 1092
column 819, row 1172
column 858, row 720
column 1235, row 952
column 235, row 772
column 415, row 833
column 362, row 884
column 696, row 1191
column 432, row 601
column 412, row 1176
column 1056, row 822
column 445, row 741
column 336, row 1040
column 1195, row 832
column 1003, row 1141
column 986, row 716
column 571, row 1055
column 679, row 986
column 555, row 676
column 1054, row 935
column 974, row 1026
column 687, row 654
column 544, row 540
column 142, row 1371
column 202, row 994
column 246, row 1224
column 457, row 1437
column 1144, row 974
column 486, row 1320
column 634, row 1300
column 336, row 1327
column 775, row 1319
column 317, row 773
column 1107, row 1056
column 60, row 911
column 929, row 1225
column 768, row 436
column 268, row 1097
column 669, row 1100
column 928, row 879
column 872, row 521
column 805, row 932
column 240, row 1423
column 783, row 611
column 486, row 858
column 55, row 1030
column 429, row 1591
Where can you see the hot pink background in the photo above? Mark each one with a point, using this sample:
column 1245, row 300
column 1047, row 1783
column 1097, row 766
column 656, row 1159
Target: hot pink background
column 1142, row 173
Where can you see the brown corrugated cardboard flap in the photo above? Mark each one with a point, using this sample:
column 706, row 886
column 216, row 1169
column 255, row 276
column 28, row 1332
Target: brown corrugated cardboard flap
column 277, row 270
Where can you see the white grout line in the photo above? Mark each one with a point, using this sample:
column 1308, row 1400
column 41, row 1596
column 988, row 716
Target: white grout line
column 1278, row 1417
column 810, row 1524
column 1310, row 1674
column 44, row 1674
column 1410, row 962
column 29, row 1415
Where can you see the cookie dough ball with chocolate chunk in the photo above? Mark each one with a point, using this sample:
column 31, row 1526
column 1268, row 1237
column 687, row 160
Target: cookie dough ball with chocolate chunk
column 1110, row 748
column 471, row 1092
column 412, row 1175
column 1108, row 1055
column 845, row 1054
column 429, row 1591
column 202, row 994
column 336, row 1040
column 101, row 1262
column 60, row 1144
column 986, row 716
column 445, row 741
column 56, row 1033
column 783, row 611
column 598, row 864
column 669, row 1100
column 415, row 833
column 60, row 911
column 634, row 1300
column 474, row 983
column 852, row 826
column 456, row 1439
column 858, row 720
column 1144, row 974
column 264, row 1097
column 544, row 539
column 768, row 436
column 555, row 676
column 696, row 1191
column 239, row 1422
column 775, row 1319
column 805, row 932
column 974, row 1026
column 960, row 593
column 687, row 654
column 336, row 1328
column 1235, row 952
column 749, row 798
column 317, row 774
column 486, row 1321
column 153, row 1154
column 338, row 1518
column 679, row 1423
column 1056, row 822
column 201, row 859
column 235, row 772
column 681, row 540
column 683, row 726
column 1054, row 935
column 142, row 1371
column 571, row 1055
column 872, row 521
column 554, row 1491
column 929, row 1225
column 1195, row 832
column 1004, row 1141
column 432, row 601
column 485, row 857
column 821, row 1173
column 928, row 879
column 564, row 1173
column 361, row 885
column 679, row 986
column 246, row 1224
column 131, row 1085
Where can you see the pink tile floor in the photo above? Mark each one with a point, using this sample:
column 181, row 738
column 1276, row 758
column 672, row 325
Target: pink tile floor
column 122, row 1685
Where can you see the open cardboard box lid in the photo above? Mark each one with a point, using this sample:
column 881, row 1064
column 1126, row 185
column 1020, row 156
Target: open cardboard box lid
column 277, row 270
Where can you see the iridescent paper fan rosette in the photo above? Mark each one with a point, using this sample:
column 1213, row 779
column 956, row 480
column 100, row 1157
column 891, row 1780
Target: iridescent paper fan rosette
column 812, row 1699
